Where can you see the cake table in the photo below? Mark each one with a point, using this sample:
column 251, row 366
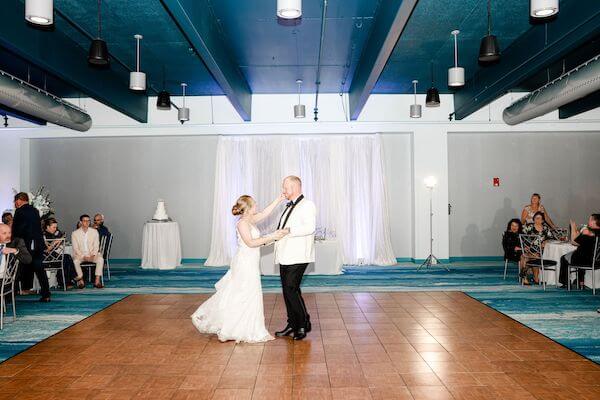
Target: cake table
column 161, row 245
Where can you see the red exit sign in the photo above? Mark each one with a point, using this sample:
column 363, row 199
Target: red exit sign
column 496, row 182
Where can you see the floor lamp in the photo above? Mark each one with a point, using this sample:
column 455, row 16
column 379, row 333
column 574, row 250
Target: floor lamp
column 430, row 183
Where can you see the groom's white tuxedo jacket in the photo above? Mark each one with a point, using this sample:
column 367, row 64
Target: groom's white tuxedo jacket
column 299, row 246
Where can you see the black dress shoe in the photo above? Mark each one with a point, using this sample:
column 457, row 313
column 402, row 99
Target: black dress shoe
column 300, row 334
column 308, row 326
column 287, row 331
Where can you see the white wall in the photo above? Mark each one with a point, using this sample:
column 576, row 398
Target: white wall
column 272, row 114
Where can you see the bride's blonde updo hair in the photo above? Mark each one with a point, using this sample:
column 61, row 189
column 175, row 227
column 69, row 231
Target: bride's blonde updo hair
column 242, row 204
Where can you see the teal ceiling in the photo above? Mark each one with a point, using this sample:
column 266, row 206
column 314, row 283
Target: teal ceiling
column 271, row 55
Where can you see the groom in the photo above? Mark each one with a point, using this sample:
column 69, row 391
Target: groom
column 293, row 253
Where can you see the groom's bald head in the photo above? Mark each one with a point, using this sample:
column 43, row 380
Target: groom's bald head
column 292, row 187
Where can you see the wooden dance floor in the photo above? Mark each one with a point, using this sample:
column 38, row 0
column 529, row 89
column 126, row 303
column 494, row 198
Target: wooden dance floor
column 438, row 345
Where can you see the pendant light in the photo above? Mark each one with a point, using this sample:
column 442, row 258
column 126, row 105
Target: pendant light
column 433, row 95
column 183, row 114
column 137, row 79
column 543, row 8
column 163, row 101
column 289, row 9
column 39, row 12
column 299, row 109
column 98, row 54
column 456, row 74
column 415, row 109
column 489, row 50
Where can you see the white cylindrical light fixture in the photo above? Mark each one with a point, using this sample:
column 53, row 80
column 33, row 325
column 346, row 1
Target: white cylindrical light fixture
column 415, row 109
column 430, row 182
column 137, row 79
column 39, row 12
column 289, row 9
column 299, row 109
column 543, row 8
column 183, row 114
column 456, row 74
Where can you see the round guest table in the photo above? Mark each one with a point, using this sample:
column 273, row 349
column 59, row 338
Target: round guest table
column 554, row 250
column 161, row 245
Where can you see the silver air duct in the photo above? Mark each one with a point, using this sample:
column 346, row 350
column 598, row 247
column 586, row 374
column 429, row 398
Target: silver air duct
column 22, row 96
column 570, row 86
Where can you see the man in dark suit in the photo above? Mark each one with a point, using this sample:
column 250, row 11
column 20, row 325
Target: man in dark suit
column 27, row 225
column 15, row 247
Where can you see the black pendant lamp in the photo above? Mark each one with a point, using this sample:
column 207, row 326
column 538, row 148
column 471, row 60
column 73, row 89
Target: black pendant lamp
column 98, row 55
column 433, row 95
column 489, row 50
column 163, row 102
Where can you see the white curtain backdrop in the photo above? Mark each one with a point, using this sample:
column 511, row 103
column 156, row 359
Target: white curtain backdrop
column 342, row 174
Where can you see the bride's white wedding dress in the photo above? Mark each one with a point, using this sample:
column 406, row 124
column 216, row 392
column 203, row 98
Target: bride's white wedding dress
column 235, row 311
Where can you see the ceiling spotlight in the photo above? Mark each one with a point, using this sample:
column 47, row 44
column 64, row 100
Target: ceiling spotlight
column 39, row 12
column 183, row 114
column 543, row 8
column 433, row 95
column 98, row 54
column 137, row 79
column 299, row 109
column 289, row 9
column 163, row 101
column 489, row 50
column 456, row 74
column 415, row 109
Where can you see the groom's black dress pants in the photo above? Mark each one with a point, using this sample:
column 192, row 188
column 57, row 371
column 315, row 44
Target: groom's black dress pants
column 291, row 277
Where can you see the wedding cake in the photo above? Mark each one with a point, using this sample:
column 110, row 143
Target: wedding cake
column 161, row 212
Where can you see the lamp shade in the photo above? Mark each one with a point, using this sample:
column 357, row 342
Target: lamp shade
column 433, row 97
column 299, row 111
column 163, row 101
column 39, row 12
column 137, row 80
column 456, row 76
column 289, row 9
column 183, row 114
column 98, row 54
column 430, row 182
column 489, row 50
column 543, row 8
column 415, row 111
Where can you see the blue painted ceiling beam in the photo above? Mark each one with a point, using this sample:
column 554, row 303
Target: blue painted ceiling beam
column 57, row 54
column 201, row 30
column 543, row 44
column 587, row 103
column 390, row 21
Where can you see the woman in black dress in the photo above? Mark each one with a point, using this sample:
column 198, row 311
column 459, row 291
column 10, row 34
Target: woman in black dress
column 512, row 244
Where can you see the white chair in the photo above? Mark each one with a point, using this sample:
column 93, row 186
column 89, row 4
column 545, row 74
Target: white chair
column 507, row 261
column 54, row 260
column 595, row 265
column 532, row 250
column 106, row 255
column 8, row 288
column 561, row 234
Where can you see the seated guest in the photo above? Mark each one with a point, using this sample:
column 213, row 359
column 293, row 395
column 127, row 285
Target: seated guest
column 7, row 218
column 51, row 232
column 512, row 246
column 100, row 227
column 86, row 243
column 585, row 240
column 534, row 207
column 11, row 246
column 538, row 227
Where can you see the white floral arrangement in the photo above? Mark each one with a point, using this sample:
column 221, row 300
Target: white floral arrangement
column 41, row 201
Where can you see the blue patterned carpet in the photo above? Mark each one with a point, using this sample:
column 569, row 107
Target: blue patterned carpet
column 569, row 318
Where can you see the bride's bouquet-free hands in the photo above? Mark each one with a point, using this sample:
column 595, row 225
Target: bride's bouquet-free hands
column 279, row 234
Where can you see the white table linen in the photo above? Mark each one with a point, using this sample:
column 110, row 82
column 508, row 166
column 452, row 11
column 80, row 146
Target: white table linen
column 554, row 250
column 328, row 259
column 161, row 245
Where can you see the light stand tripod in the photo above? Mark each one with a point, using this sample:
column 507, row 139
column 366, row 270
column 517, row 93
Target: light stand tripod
column 431, row 260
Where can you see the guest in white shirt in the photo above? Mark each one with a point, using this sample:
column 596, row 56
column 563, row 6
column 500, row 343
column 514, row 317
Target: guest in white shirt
column 86, row 243
column 15, row 247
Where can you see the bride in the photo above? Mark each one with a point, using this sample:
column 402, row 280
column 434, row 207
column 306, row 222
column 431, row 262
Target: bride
column 235, row 311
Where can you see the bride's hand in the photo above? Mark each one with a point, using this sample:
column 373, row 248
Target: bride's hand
column 279, row 234
column 281, row 197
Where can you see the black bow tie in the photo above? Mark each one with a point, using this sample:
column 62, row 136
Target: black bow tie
column 289, row 204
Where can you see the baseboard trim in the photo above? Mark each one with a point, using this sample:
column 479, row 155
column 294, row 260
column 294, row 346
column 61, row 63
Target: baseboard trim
column 138, row 261
column 476, row 259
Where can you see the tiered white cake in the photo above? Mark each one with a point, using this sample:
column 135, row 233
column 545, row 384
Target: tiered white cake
column 161, row 212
